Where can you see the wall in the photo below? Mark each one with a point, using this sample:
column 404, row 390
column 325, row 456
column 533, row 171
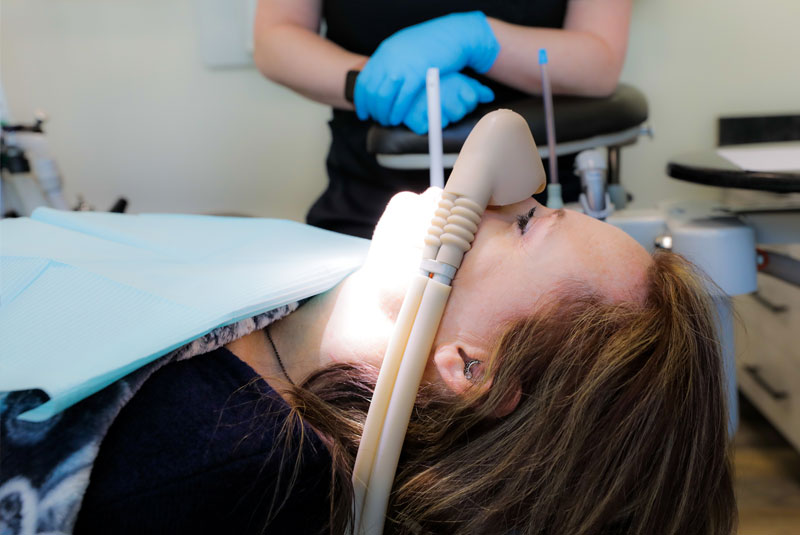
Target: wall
column 697, row 61
column 134, row 112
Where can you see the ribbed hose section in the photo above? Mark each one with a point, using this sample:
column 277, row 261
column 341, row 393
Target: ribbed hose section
column 440, row 217
column 459, row 232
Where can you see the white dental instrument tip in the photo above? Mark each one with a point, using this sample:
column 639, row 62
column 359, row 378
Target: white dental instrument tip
column 434, row 127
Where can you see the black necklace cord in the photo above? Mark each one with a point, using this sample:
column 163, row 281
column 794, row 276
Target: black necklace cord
column 278, row 356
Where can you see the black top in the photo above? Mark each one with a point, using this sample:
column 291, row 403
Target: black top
column 199, row 450
column 358, row 188
column 360, row 26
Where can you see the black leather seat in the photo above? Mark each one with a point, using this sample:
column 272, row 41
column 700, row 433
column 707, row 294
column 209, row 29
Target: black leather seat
column 576, row 119
column 580, row 123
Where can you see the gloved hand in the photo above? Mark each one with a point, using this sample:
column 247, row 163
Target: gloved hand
column 388, row 84
column 459, row 94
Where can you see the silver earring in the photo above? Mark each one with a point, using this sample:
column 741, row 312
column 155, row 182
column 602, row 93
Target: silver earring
column 468, row 368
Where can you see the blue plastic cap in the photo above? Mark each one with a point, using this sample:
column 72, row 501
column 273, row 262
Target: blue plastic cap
column 542, row 56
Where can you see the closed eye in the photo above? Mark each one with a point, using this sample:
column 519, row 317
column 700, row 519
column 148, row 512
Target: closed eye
column 524, row 219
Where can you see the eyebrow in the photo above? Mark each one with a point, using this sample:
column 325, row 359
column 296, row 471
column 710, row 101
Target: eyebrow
column 558, row 217
column 557, row 214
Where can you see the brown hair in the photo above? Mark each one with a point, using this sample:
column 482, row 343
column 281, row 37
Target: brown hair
column 621, row 425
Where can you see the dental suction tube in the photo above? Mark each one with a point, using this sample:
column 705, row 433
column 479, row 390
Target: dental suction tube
column 498, row 165
column 433, row 93
column 554, row 197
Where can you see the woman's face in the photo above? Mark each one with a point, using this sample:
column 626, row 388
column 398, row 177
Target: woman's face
column 514, row 261
column 524, row 251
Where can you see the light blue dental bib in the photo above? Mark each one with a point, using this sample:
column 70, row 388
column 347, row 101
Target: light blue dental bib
column 86, row 298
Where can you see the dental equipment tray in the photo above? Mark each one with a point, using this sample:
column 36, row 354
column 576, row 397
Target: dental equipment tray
column 579, row 123
column 763, row 166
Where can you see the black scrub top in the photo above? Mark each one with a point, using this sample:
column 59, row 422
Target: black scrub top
column 358, row 188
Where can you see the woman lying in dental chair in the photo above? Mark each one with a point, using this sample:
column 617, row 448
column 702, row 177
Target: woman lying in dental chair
column 574, row 387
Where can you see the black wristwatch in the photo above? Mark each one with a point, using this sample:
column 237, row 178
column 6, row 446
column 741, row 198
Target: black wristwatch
column 350, row 85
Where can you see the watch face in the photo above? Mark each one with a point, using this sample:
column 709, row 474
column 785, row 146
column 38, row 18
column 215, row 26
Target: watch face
column 350, row 85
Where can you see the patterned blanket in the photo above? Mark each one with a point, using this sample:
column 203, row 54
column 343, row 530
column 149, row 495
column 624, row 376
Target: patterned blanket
column 45, row 467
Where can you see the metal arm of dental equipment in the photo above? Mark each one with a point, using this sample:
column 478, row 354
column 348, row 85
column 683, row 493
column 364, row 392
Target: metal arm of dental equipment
column 590, row 166
column 29, row 174
column 499, row 164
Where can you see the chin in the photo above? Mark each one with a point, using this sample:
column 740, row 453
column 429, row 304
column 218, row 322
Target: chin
column 400, row 232
column 397, row 242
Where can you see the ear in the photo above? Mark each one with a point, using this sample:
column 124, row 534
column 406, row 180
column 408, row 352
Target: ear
column 509, row 403
column 450, row 361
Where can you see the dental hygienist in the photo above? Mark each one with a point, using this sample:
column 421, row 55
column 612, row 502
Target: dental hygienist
column 485, row 50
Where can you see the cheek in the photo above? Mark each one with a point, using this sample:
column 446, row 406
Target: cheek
column 477, row 312
column 486, row 293
column 517, row 295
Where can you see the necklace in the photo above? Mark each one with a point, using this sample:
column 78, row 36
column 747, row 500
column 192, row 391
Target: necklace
column 278, row 356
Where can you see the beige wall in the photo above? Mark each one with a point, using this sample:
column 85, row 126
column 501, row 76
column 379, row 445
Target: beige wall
column 697, row 60
column 134, row 112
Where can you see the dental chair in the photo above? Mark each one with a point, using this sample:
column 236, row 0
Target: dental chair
column 764, row 203
column 747, row 245
column 719, row 237
column 580, row 124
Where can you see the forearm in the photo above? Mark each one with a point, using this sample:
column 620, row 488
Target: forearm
column 319, row 73
column 580, row 63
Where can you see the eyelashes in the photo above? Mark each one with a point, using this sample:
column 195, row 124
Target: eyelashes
column 523, row 219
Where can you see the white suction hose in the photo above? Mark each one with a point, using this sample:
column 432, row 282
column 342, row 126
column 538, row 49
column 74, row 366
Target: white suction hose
column 498, row 165
column 434, row 127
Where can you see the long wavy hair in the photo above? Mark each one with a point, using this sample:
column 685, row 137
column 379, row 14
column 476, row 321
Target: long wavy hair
column 621, row 426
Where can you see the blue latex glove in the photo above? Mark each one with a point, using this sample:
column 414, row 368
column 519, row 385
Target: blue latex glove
column 391, row 79
column 459, row 94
